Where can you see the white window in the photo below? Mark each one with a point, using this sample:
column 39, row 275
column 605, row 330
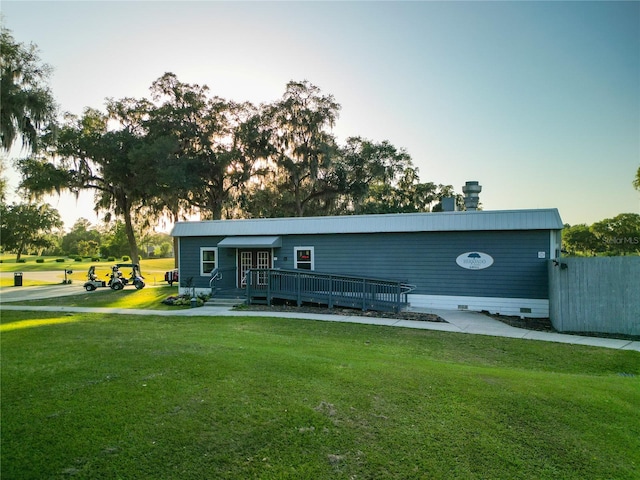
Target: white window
column 304, row 258
column 208, row 259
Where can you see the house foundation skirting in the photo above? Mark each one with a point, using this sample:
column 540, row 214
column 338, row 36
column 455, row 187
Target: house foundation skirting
column 521, row 307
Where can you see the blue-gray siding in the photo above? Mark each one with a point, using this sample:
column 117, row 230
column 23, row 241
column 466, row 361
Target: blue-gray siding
column 425, row 259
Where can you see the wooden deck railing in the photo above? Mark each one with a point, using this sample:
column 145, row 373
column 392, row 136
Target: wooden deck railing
column 265, row 285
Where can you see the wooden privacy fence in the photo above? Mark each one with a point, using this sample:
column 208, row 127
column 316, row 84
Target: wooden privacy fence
column 595, row 294
column 265, row 285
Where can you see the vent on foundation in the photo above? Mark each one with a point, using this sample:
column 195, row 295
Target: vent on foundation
column 463, row 307
column 525, row 310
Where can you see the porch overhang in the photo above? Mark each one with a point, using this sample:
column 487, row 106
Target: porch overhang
column 257, row 241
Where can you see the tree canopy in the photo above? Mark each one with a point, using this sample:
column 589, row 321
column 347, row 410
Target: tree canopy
column 26, row 104
column 619, row 235
column 27, row 226
column 183, row 152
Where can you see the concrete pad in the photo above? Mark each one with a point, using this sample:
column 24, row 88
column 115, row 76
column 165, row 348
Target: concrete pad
column 602, row 342
column 632, row 346
column 439, row 326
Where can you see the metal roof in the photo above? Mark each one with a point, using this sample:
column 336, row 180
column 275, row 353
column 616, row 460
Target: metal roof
column 251, row 242
column 480, row 220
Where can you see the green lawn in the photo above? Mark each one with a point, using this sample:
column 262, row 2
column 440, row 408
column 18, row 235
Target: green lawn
column 152, row 269
column 147, row 397
column 129, row 297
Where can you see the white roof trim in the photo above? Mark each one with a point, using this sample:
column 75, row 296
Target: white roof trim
column 482, row 220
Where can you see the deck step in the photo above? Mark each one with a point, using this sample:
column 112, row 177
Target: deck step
column 224, row 302
column 259, row 301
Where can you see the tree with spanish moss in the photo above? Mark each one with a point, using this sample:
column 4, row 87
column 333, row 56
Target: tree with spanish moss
column 27, row 107
column 91, row 156
column 205, row 148
column 302, row 145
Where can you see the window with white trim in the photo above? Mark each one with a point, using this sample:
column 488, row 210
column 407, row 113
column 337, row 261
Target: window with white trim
column 304, row 258
column 208, row 260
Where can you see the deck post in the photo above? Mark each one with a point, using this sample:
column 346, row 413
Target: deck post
column 330, row 291
column 268, row 275
column 299, row 289
column 248, row 282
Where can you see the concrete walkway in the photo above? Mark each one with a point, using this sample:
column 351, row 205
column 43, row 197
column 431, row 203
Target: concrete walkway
column 457, row 321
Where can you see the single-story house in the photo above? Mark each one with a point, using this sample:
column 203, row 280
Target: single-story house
column 493, row 261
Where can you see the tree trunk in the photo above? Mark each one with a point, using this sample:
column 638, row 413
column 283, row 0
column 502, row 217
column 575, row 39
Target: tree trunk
column 296, row 196
column 215, row 203
column 131, row 236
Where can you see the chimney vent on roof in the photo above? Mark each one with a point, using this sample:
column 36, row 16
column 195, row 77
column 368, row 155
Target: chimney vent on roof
column 471, row 191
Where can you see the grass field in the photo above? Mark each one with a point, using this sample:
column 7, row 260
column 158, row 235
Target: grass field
column 152, row 269
column 147, row 298
column 113, row 396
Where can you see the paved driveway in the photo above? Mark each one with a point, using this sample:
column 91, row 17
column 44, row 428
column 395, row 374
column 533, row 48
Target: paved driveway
column 53, row 276
column 16, row 294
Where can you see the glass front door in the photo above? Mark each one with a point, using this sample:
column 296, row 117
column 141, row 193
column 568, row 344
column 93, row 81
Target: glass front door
column 248, row 259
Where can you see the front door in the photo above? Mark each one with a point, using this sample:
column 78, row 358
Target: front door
column 248, row 259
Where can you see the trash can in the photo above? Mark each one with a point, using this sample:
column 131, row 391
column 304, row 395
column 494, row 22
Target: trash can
column 17, row 279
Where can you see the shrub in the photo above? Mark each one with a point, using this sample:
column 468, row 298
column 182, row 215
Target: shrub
column 95, row 259
column 60, row 260
column 125, row 258
column 77, row 259
column 39, row 260
column 22, row 260
column 111, row 259
column 185, row 300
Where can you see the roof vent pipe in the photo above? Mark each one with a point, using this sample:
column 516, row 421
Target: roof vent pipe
column 471, row 191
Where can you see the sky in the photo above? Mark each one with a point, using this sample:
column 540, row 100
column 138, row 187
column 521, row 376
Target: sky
column 537, row 101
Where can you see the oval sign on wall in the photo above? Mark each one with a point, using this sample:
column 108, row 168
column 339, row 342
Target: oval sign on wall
column 474, row 260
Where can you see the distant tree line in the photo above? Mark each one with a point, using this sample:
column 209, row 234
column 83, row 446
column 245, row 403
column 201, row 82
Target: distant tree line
column 612, row 236
column 83, row 240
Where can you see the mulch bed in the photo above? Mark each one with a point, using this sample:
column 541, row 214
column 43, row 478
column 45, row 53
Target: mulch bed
column 352, row 312
column 538, row 324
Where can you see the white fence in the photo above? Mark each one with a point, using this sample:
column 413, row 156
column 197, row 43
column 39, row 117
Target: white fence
column 595, row 294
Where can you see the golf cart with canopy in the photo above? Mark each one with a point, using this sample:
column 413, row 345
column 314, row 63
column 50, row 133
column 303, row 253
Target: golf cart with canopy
column 92, row 280
column 117, row 281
